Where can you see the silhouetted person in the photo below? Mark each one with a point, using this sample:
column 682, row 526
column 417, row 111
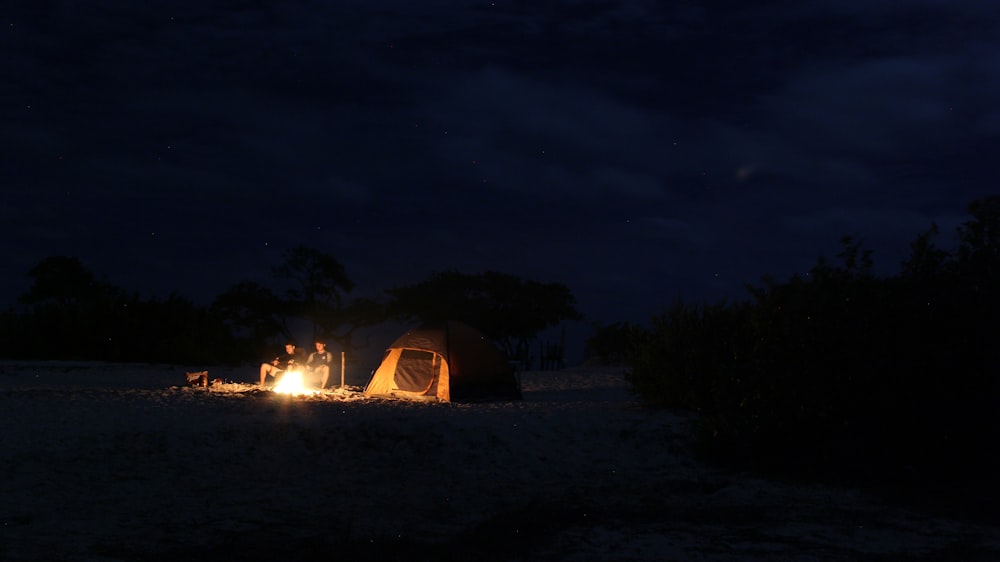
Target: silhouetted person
column 281, row 363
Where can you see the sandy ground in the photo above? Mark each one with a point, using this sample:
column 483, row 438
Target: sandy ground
column 118, row 462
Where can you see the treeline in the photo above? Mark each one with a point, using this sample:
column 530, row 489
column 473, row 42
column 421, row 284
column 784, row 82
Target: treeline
column 67, row 314
column 839, row 371
column 109, row 324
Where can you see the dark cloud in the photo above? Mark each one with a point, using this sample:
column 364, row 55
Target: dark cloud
column 636, row 151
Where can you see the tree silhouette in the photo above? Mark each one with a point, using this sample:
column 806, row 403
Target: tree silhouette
column 978, row 256
column 318, row 294
column 317, row 276
column 254, row 313
column 510, row 310
column 926, row 259
column 842, row 370
column 58, row 280
column 94, row 320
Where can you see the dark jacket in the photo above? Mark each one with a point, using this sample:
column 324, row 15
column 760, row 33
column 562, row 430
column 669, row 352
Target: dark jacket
column 285, row 360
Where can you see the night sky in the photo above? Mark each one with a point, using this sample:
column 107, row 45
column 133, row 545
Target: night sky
column 638, row 152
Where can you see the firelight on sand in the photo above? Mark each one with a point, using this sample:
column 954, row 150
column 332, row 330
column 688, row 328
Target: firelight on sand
column 292, row 383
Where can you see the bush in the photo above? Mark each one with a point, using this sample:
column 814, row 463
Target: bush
column 839, row 371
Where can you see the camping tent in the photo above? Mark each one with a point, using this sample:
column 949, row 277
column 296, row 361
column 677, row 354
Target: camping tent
column 446, row 362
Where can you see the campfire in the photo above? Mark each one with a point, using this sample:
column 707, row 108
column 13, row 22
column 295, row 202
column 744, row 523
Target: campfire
column 292, row 383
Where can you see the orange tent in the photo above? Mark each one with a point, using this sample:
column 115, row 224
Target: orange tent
column 447, row 362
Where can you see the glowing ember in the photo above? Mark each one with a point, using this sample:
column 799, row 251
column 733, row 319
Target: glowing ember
column 292, row 383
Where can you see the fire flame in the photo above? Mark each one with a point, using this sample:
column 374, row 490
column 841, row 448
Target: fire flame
column 292, row 383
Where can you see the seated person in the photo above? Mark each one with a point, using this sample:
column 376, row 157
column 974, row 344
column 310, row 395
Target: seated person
column 319, row 362
column 281, row 363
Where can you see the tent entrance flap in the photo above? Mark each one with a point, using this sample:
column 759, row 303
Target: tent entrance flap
column 416, row 371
